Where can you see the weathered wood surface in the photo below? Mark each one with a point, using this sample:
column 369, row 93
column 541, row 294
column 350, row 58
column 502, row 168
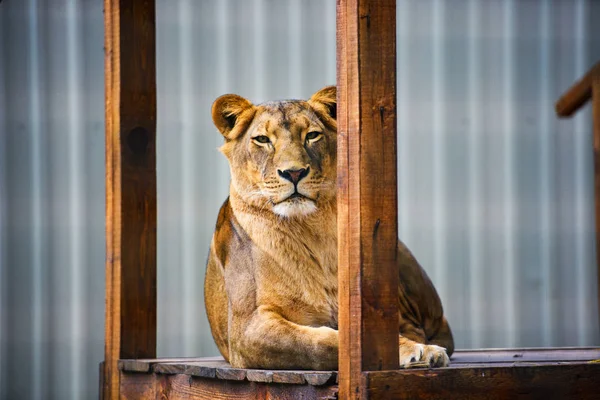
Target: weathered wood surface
column 173, row 387
column 138, row 386
column 473, row 374
column 367, row 195
column 573, row 381
column 207, row 366
column 145, row 365
column 578, row 94
column 130, row 83
column 525, row 355
column 217, row 368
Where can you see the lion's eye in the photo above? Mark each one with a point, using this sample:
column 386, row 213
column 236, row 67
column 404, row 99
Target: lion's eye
column 312, row 135
column 262, row 139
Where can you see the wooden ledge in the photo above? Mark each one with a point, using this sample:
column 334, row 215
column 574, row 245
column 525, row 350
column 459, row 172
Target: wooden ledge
column 548, row 380
column 471, row 375
column 213, row 378
column 218, row 368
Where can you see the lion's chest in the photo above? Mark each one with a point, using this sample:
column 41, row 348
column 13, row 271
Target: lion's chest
column 304, row 288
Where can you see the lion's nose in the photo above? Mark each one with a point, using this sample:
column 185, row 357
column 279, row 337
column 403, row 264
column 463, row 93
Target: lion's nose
column 294, row 175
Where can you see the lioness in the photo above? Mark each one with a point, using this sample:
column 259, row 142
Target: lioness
column 271, row 278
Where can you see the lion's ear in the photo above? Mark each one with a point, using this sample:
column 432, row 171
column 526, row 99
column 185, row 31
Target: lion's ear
column 231, row 115
column 325, row 102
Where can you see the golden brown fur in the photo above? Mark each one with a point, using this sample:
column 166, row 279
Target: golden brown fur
column 271, row 279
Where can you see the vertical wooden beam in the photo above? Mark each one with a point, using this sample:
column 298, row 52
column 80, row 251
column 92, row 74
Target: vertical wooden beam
column 596, row 122
column 130, row 84
column 367, row 190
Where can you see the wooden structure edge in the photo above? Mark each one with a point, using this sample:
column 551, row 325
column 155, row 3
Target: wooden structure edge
column 181, row 386
column 130, row 92
column 490, row 382
column 473, row 374
column 366, row 190
column 578, row 94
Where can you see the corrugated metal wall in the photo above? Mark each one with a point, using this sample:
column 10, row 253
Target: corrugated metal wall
column 52, row 210
column 495, row 194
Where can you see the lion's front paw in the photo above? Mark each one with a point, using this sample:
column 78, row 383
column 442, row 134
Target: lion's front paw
column 413, row 352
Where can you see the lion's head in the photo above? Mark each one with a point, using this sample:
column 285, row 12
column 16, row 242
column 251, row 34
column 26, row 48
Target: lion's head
column 282, row 154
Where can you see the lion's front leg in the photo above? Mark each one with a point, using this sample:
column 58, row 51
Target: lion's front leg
column 267, row 340
column 411, row 351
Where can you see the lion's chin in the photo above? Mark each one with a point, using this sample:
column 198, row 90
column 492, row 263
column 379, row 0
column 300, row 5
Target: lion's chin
column 295, row 208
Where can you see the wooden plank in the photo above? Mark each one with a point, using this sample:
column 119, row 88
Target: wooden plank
column 517, row 364
column 134, row 366
column 144, row 365
column 349, row 365
column 577, row 381
column 169, row 368
column 207, row 368
column 130, row 80
column 530, row 355
column 174, row 387
column 596, row 146
column 201, row 370
column 259, row 375
column 294, row 377
column 204, row 369
column 578, row 94
column 367, row 196
column 231, row 374
column 135, row 386
column 177, row 387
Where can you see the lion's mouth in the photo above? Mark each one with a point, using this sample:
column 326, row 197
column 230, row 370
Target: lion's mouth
column 295, row 195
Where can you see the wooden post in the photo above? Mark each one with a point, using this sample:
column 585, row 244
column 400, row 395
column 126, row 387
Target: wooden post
column 572, row 100
column 367, row 190
column 130, row 79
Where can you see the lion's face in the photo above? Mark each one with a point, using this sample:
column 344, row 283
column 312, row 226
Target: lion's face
column 282, row 154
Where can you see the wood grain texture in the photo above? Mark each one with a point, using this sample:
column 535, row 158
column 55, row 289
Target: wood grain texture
column 134, row 386
column 525, row 355
column 295, row 377
column 259, row 375
column 130, row 85
column 169, row 368
column 232, row 374
column 173, row 387
column 367, row 195
column 495, row 373
column 575, row 381
column 218, row 368
column 578, row 94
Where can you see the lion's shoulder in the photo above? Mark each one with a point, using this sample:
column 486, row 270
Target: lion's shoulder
column 229, row 237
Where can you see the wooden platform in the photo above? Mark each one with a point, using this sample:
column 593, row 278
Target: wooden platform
column 532, row 373
column 367, row 240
